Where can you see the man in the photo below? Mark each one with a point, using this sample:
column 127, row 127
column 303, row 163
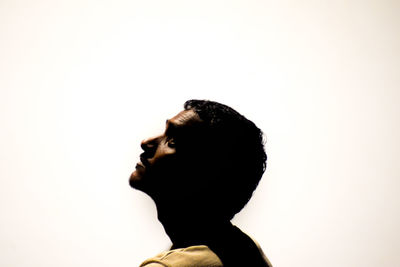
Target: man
column 200, row 172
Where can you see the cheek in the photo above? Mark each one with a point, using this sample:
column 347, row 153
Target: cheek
column 164, row 152
column 164, row 158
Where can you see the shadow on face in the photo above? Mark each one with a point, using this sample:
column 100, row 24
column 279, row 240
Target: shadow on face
column 171, row 163
column 209, row 156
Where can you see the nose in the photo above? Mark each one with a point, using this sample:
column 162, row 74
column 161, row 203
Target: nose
column 149, row 143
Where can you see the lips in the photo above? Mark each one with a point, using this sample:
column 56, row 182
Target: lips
column 139, row 165
column 143, row 161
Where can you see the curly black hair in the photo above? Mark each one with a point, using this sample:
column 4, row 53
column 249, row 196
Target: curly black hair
column 235, row 145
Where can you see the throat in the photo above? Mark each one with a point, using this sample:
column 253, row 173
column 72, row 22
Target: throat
column 191, row 228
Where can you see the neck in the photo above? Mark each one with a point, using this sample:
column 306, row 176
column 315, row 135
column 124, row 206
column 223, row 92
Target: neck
column 187, row 225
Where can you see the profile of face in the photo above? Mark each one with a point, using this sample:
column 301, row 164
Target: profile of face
column 209, row 156
column 166, row 158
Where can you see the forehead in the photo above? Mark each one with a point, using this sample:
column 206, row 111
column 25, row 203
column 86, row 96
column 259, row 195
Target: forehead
column 185, row 118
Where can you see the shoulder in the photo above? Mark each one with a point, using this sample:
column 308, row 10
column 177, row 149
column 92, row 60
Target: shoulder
column 238, row 249
column 199, row 256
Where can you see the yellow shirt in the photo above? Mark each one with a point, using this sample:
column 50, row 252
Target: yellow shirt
column 194, row 256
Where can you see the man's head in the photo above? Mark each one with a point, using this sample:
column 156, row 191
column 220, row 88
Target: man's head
column 209, row 156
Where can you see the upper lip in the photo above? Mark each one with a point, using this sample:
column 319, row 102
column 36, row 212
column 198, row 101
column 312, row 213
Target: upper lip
column 143, row 160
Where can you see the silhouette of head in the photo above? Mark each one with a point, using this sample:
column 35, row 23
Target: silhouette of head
column 209, row 157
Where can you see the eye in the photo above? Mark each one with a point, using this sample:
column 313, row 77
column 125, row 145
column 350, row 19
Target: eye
column 171, row 143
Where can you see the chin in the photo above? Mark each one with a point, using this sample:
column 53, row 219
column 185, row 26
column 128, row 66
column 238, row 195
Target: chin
column 135, row 180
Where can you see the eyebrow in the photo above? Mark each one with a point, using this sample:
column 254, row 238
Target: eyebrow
column 171, row 127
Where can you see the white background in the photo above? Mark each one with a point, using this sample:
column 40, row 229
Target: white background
column 83, row 82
